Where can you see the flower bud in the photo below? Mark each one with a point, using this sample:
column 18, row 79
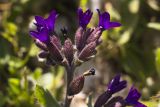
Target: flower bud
column 95, row 35
column 43, row 54
column 88, row 32
column 78, row 38
column 56, row 41
column 87, row 51
column 68, row 50
column 77, row 84
column 41, row 45
column 55, row 52
column 102, row 99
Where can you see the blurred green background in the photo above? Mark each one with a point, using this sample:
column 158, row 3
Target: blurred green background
column 133, row 49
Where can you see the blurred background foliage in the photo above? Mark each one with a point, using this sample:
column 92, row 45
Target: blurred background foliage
column 133, row 49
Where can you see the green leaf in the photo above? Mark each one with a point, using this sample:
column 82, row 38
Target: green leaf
column 45, row 98
column 14, row 85
column 37, row 73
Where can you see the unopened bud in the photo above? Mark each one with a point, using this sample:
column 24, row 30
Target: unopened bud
column 55, row 52
column 95, row 35
column 102, row 99
column 56, row 41
column 68, row 50
column 77, row 84
column 43, row 54
column 41, row 45
column 78, row 38
column 87, row 51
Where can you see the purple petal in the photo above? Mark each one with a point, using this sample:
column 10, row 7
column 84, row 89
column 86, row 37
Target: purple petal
column 133, row 94
column 80, row 13
column 106, row 17
column 43, row 35
column 103, row 18
column 121, row 85
column 84, row 17
column 50, row 21
column 39, row 20
column 116, row 85
column 34, row 34
column 104, row 21
column 110, row 25
column 133, row 97
column 114, row 81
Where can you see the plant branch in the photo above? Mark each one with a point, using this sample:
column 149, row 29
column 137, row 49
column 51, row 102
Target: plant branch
column 70, row 73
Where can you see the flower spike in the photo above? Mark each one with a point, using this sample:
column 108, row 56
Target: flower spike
column 104, row 21
column 84, row 17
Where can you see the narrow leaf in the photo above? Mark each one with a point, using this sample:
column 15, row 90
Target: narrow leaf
column 45, row 98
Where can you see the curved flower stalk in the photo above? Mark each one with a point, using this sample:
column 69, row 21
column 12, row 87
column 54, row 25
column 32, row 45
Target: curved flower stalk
column 86, row 41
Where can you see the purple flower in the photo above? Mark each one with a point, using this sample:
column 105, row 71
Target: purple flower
column 42, row 35
column 116, row 85
column 104, row 21
column 44, row 27
column 133, row 97
column 84, row 17
column 48, row 22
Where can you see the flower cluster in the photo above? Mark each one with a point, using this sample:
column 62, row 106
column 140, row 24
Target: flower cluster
column 86, row 39
column 114, row 86
column 72, row 54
